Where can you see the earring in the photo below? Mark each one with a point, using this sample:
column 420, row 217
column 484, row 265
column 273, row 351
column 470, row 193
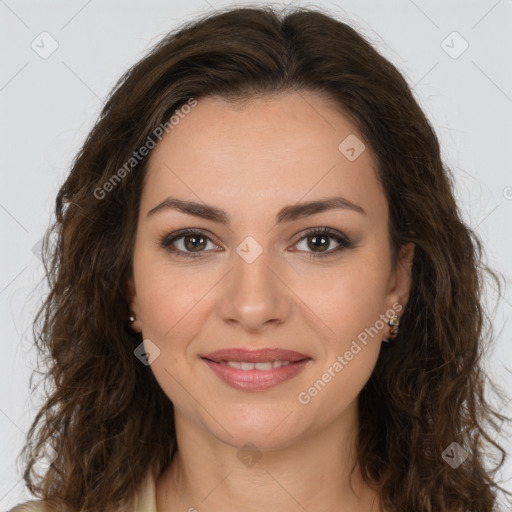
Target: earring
column 136, row 324
column 393, row 323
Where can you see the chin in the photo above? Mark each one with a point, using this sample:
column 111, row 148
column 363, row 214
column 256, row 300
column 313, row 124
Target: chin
column 266, row 428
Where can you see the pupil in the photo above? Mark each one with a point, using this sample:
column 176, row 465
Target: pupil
column 316, row 238
column 192, row 237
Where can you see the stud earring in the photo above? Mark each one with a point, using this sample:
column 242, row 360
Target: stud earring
column 132, row 318
column 393, row 323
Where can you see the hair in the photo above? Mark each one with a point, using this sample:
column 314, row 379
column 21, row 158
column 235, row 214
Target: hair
column 105, row 416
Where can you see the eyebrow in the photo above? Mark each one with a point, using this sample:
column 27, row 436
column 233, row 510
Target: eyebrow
column 286, row 214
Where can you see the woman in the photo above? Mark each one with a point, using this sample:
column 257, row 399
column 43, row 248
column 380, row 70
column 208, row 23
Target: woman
column 262, row 291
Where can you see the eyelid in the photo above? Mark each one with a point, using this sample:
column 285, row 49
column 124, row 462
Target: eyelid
column 325, row 230
column 343, row 241
column 167, row 240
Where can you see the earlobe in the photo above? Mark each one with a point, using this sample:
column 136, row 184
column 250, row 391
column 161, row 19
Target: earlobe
column 134, row 318
column 398, row 294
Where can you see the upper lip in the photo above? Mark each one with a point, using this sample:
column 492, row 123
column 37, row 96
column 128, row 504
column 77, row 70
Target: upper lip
column 255, row 356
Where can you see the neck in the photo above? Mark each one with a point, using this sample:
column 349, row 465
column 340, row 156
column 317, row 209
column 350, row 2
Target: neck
column 316, row 473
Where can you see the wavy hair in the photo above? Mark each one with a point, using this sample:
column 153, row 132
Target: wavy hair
column 105, row 416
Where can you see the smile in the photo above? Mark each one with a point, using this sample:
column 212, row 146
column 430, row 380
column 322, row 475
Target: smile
column 246, row 365
column 250, row 376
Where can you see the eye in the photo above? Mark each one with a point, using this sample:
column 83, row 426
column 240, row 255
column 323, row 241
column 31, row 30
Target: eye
column 194, row 242
column 321, row 238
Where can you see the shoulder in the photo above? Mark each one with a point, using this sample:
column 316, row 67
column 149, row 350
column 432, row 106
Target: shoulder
column 30, row 506
column 145, row 501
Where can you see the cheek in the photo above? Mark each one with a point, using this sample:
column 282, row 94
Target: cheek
column 168, row 296
column 172, row 314
column 330, row 393
column 353, row 297
column 351, row 309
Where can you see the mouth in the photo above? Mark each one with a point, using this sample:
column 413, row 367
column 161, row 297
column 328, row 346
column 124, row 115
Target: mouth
column 248, row 365
column 263, row 355
column 255, row 370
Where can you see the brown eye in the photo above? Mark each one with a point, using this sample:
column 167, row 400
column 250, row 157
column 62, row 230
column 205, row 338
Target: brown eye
column 193, row 242
column 319, row 240
column 186, row 243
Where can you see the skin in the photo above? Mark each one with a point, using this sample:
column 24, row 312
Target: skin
column 251, row 160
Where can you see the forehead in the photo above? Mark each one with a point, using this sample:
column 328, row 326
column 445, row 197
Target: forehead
column 283, row 148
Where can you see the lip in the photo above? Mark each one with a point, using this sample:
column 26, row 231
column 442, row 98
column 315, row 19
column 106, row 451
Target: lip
column 255, row 380
column 255, row 356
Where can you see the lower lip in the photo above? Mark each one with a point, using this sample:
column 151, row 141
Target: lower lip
column 256, row 380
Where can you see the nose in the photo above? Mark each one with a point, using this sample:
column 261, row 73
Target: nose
column 255, row 295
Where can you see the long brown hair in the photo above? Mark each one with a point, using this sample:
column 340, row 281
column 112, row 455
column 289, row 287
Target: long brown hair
column 106, row 417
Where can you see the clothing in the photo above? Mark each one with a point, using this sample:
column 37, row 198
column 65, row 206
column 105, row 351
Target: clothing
column 146, row 500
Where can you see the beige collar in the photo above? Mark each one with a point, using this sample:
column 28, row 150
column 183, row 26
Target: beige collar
column 146, row 499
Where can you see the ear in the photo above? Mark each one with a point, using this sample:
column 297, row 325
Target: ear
column 133, row 302
column 401, row 279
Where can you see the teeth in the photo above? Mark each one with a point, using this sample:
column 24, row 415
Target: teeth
column 267, row 365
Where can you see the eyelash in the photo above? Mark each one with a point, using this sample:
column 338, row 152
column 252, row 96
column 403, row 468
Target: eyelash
column 343, row 241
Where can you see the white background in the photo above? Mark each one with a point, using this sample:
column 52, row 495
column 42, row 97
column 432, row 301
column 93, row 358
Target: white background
column 49, row 105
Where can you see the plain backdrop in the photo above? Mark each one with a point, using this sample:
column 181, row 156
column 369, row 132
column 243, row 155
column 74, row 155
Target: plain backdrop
column 455, row 55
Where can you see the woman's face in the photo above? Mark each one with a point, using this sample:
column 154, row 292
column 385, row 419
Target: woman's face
column 250, row 276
